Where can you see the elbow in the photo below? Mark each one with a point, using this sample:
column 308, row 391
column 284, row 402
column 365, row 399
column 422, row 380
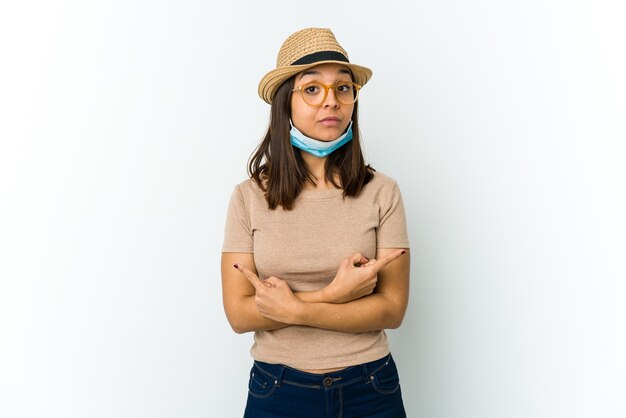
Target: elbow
column 238, row 330
column 236, row 324
column 394, row 316
column 236, row 314
column 395, row 321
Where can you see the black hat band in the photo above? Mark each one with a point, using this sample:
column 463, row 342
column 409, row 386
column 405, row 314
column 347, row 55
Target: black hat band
column 321, row 56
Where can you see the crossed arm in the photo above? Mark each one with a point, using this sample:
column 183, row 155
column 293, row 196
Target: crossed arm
column 365, row 295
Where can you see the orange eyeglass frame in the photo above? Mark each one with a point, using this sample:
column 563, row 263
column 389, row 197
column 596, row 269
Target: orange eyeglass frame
column 326, row 88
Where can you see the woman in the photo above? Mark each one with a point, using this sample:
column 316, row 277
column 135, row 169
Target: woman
column 313, row 258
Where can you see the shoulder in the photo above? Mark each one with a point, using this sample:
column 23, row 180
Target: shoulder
column 382, row 180
column 381, row 185
column 378, row 190
column 248, row 193
column 249, row 188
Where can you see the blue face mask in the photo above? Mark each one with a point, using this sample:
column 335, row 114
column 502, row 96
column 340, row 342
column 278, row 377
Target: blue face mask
column 315, row 147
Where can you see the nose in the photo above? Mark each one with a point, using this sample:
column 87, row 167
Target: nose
column 331, row 99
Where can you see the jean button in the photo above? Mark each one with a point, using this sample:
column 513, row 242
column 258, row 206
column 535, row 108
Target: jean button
column 328, row 381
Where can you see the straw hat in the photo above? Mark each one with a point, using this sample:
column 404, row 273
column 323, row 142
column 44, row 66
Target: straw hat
column 305, row 49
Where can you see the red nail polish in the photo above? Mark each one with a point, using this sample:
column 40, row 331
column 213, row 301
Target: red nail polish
column 236, row 266
column 403, row 252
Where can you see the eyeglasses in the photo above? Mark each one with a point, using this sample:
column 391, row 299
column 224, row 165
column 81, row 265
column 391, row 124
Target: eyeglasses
column 314, row 94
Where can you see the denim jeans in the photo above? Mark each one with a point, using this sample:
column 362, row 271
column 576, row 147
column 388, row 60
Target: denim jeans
column 369, row 390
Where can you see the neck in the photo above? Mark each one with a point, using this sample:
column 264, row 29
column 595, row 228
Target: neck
column 316, row 166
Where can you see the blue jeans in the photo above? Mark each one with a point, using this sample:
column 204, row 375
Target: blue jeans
column 369, row 390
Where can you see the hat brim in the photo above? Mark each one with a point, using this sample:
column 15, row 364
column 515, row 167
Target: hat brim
column 272, row 80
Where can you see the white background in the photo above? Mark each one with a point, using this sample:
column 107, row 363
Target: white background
column 124, row 126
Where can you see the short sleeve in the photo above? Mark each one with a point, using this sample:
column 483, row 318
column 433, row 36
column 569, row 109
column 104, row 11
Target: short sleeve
column 392, row 229
column 237, row 232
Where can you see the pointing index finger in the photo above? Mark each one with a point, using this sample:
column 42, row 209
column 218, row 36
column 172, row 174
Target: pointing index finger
column 249, row 274
column 383, row 261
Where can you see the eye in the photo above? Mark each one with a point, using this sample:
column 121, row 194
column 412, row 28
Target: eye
column 344, row 88
column 311, row 89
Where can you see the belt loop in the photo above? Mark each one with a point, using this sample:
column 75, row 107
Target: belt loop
column 366, row 373
column 279, row 379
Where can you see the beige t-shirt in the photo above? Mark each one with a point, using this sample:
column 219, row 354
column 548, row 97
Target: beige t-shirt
column 304, row 247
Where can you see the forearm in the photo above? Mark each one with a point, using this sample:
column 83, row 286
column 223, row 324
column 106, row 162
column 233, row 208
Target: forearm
column 371, row 313
column 245, row 317
column 314, row 296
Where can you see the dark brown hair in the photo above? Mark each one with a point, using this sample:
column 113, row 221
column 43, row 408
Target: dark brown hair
column 279, row 169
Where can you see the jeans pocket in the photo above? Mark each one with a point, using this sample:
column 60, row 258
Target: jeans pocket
column 385, row 379
column 260, row 384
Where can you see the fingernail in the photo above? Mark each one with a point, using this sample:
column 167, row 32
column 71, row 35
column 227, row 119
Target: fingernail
column 403, row 252
column 236, row 266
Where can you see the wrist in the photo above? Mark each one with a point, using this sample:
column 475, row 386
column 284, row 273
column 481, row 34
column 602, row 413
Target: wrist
column 313, row 296
column 327, row 294
column 300, row 313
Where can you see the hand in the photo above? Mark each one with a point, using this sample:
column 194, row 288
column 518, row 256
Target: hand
column 357, row 276
column 274, row 299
